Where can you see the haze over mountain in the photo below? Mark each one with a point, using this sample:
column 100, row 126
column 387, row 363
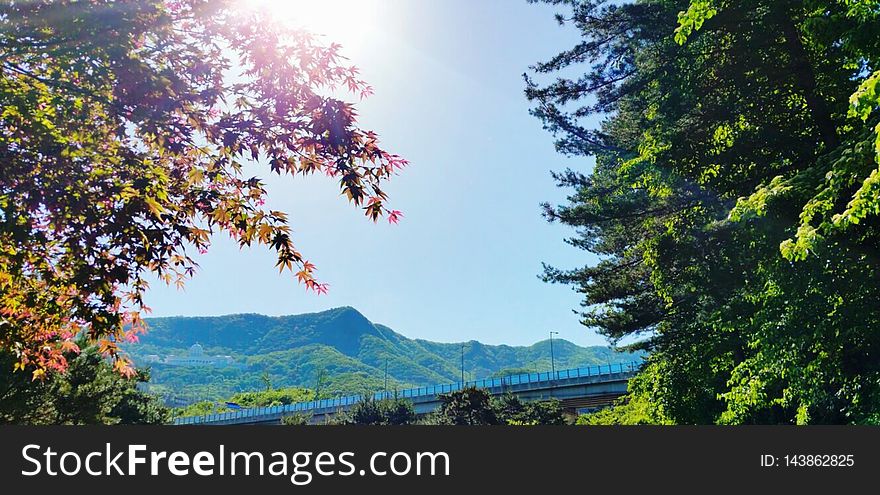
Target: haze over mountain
column 338, row 351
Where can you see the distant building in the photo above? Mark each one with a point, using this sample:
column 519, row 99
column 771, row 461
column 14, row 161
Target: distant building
column 196, row 357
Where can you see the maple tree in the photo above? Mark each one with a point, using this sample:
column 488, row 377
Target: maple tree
column 124, row 129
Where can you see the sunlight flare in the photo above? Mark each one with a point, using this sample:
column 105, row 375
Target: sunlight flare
column 344, row 21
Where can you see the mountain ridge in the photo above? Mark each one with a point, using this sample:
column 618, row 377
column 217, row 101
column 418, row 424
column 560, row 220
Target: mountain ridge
column 338, row 351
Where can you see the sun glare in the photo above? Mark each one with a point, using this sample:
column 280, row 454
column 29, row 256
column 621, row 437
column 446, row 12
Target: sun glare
column 347, row 22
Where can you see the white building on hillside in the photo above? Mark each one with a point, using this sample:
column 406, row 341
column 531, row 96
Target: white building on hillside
column 196, row 357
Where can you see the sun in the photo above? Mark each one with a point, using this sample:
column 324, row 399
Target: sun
column 347, row 22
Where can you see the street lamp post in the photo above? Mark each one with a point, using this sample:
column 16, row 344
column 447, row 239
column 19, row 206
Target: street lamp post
column 385, row 395
column 318, row 384
column 462, row 366
column 552, row 358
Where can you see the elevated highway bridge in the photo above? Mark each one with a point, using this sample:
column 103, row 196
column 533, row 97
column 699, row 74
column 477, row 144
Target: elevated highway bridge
column 578, row 390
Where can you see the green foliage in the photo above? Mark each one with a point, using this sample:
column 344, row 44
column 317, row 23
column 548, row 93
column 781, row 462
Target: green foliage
column 391, row 411
column 298, row 419
column 399, row 411
column 631, row 410
column 365, row 412
column 471, row 406
column 698, row 12
column 88, row 392
column 734, row 204
column 274, row 397
column 262, row 398
column 202, row 408
column 509, row 409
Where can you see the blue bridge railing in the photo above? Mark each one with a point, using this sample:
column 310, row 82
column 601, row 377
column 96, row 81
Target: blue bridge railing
column 414, row 393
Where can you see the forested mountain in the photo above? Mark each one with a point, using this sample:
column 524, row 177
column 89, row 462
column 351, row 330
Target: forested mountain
column 339, row 348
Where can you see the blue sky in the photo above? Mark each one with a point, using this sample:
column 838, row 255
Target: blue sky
column 463, row 263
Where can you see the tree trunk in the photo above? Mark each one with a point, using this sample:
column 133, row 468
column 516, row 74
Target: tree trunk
column 805, row 79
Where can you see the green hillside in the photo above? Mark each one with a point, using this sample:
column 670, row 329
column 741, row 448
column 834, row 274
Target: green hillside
column 337, row 351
